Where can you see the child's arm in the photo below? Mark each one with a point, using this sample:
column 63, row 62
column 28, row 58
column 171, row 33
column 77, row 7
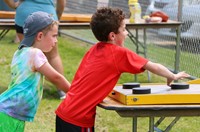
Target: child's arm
column 60, row 5
column 53, row 76
column 164, row 72
column 12, row 3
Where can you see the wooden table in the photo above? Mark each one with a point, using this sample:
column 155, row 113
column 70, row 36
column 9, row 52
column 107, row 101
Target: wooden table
column 144, row 25
column 9, row 24
column 141, row 47
column 151, row 111
column 65, row 16
column 82, row 22
column 68, row 21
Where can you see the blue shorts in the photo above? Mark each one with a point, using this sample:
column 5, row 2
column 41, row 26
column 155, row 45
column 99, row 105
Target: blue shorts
column 19, row 29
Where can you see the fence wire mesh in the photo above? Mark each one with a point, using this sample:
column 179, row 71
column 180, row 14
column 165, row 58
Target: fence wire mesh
column 161, row 43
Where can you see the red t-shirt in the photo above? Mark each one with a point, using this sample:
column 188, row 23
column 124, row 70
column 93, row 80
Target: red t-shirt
column 95, row 78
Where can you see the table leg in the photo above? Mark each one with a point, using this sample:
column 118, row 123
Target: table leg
column 172, row 124
column 159, row 121
column 145, row 51
column 3, row 33
column 134, row 124
column 137, row 48
column 151, row 124
column 145, row 44
column 177, row 54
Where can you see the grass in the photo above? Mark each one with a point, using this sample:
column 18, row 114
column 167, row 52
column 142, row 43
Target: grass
column 71, row 52
column 166, row 57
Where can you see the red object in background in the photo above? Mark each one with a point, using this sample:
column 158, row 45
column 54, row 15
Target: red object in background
column 161, row 14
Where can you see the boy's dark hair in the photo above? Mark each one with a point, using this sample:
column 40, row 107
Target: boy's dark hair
column 106, row 20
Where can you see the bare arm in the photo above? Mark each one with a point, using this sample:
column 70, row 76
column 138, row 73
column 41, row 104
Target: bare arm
column 60, row 5
column 53, row 76
column 12, row 3
column 164, row 72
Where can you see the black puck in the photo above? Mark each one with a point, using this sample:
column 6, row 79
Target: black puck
column 141, row 90
column 130, row 85
column 179, row 86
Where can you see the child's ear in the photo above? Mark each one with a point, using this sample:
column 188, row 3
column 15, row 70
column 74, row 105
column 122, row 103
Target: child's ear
column 39, row 35
column 111, row 36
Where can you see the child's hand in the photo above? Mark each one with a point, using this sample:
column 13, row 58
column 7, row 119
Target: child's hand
column 177, row 76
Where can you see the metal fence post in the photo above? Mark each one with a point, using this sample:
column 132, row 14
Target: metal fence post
column 177, row 55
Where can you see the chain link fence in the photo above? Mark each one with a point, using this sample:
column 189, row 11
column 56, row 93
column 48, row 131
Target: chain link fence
column 161, row 43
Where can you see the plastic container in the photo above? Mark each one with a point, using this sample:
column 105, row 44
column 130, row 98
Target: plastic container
column 135, row 11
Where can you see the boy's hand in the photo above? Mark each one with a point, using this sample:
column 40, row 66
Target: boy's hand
column 177, row 76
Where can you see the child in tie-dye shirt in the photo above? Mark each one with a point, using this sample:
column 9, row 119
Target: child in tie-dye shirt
column 20, row 101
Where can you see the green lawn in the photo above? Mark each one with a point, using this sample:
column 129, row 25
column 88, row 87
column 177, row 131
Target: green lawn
column 71, row 52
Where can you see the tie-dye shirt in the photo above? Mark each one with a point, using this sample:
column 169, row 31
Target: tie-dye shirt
column 24, row 92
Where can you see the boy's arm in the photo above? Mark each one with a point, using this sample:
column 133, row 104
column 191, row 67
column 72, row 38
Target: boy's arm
column 53, row 76
column 164, row 72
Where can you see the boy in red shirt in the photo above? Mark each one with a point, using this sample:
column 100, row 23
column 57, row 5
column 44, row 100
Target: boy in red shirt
column 100, row 70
